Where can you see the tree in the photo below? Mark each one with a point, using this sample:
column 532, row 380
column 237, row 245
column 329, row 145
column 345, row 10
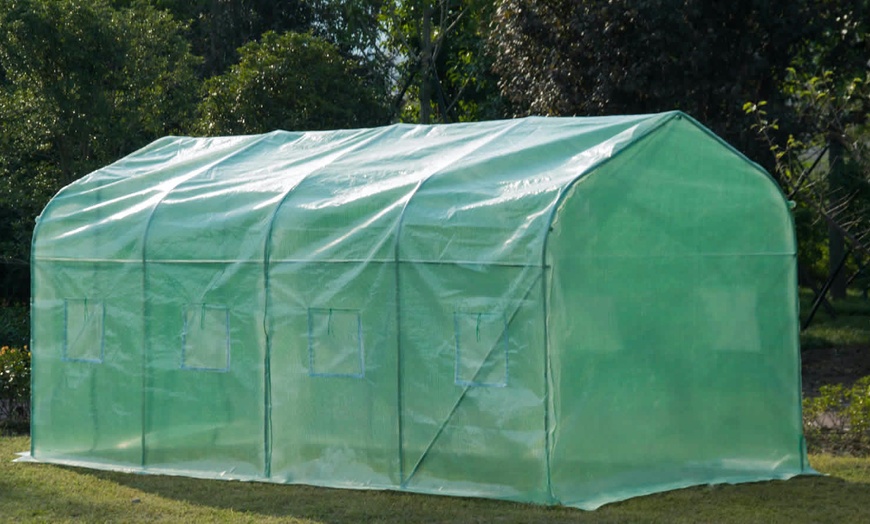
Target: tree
column 81, row 84
column 218, row 28
column 829, row 88
column 440, row 60
column 291, row 81
column 640, row 56
column 824, row 161
column 800, row 57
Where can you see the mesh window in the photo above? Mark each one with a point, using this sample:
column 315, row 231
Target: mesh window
column 205, row 339
column 83, row 330
column 481, row 349
column 335, row 343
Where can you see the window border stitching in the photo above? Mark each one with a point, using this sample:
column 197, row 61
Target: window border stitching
column 65, row 350
column 204, row 305
column 471, row 383
column 360, row 348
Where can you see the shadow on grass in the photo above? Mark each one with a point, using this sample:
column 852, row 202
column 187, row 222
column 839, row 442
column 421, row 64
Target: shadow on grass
column 803, row 499
column 329, row 505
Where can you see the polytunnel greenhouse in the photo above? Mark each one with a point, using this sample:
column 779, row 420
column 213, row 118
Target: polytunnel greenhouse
column 552, row 310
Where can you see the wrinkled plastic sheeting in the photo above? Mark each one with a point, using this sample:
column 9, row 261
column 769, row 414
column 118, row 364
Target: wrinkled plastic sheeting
column 556, row 310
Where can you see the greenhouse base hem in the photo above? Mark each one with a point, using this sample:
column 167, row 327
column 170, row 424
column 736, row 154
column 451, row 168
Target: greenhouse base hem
column 585, row 505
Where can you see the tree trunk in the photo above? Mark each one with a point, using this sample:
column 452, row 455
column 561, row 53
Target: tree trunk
column 836, row 243
column 426, row 67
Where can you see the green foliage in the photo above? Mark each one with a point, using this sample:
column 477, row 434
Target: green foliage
column 642, row 56
column 91, row 82
column 14, row 325
column 14, row 369
column 812, row 238
column 218, row 28
column 462, row 83
column 840, row 44
column 821, row 143
column 834, row 129
column 838, row 420
column 826, row 105
column 81, row 84
column 291, row 81
column 14, row 387
column 351, row 25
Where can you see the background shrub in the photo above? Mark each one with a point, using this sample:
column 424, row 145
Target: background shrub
column 14, row 325
column 14, row 389
column 838, row 420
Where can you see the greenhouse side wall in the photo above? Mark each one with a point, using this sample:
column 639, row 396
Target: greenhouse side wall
column 251, row 316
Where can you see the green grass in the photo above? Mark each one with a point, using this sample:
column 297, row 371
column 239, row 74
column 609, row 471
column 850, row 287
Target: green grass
column 843, row 331
column 39, row 493
column 850, row 327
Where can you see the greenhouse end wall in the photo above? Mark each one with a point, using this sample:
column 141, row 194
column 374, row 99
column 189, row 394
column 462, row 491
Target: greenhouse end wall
column 388, row 309
column 673, row 326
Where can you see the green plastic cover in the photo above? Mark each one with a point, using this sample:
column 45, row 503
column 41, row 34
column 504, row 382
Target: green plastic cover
column 553, row 310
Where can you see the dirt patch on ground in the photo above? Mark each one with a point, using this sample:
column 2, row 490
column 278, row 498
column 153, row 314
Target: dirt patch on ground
column 833, row 366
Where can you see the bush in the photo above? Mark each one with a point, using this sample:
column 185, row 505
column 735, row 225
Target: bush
column 838, row 420
column 14, row 325
column 14, row 389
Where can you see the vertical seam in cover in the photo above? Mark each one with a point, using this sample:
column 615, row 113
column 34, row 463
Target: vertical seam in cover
column 256, row 140
column 267, row 255
column 399, row 405
column 549, row 424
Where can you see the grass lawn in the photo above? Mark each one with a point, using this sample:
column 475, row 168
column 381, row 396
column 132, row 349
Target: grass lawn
column 38, row 493
column 835, row 350
column 850, row 327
